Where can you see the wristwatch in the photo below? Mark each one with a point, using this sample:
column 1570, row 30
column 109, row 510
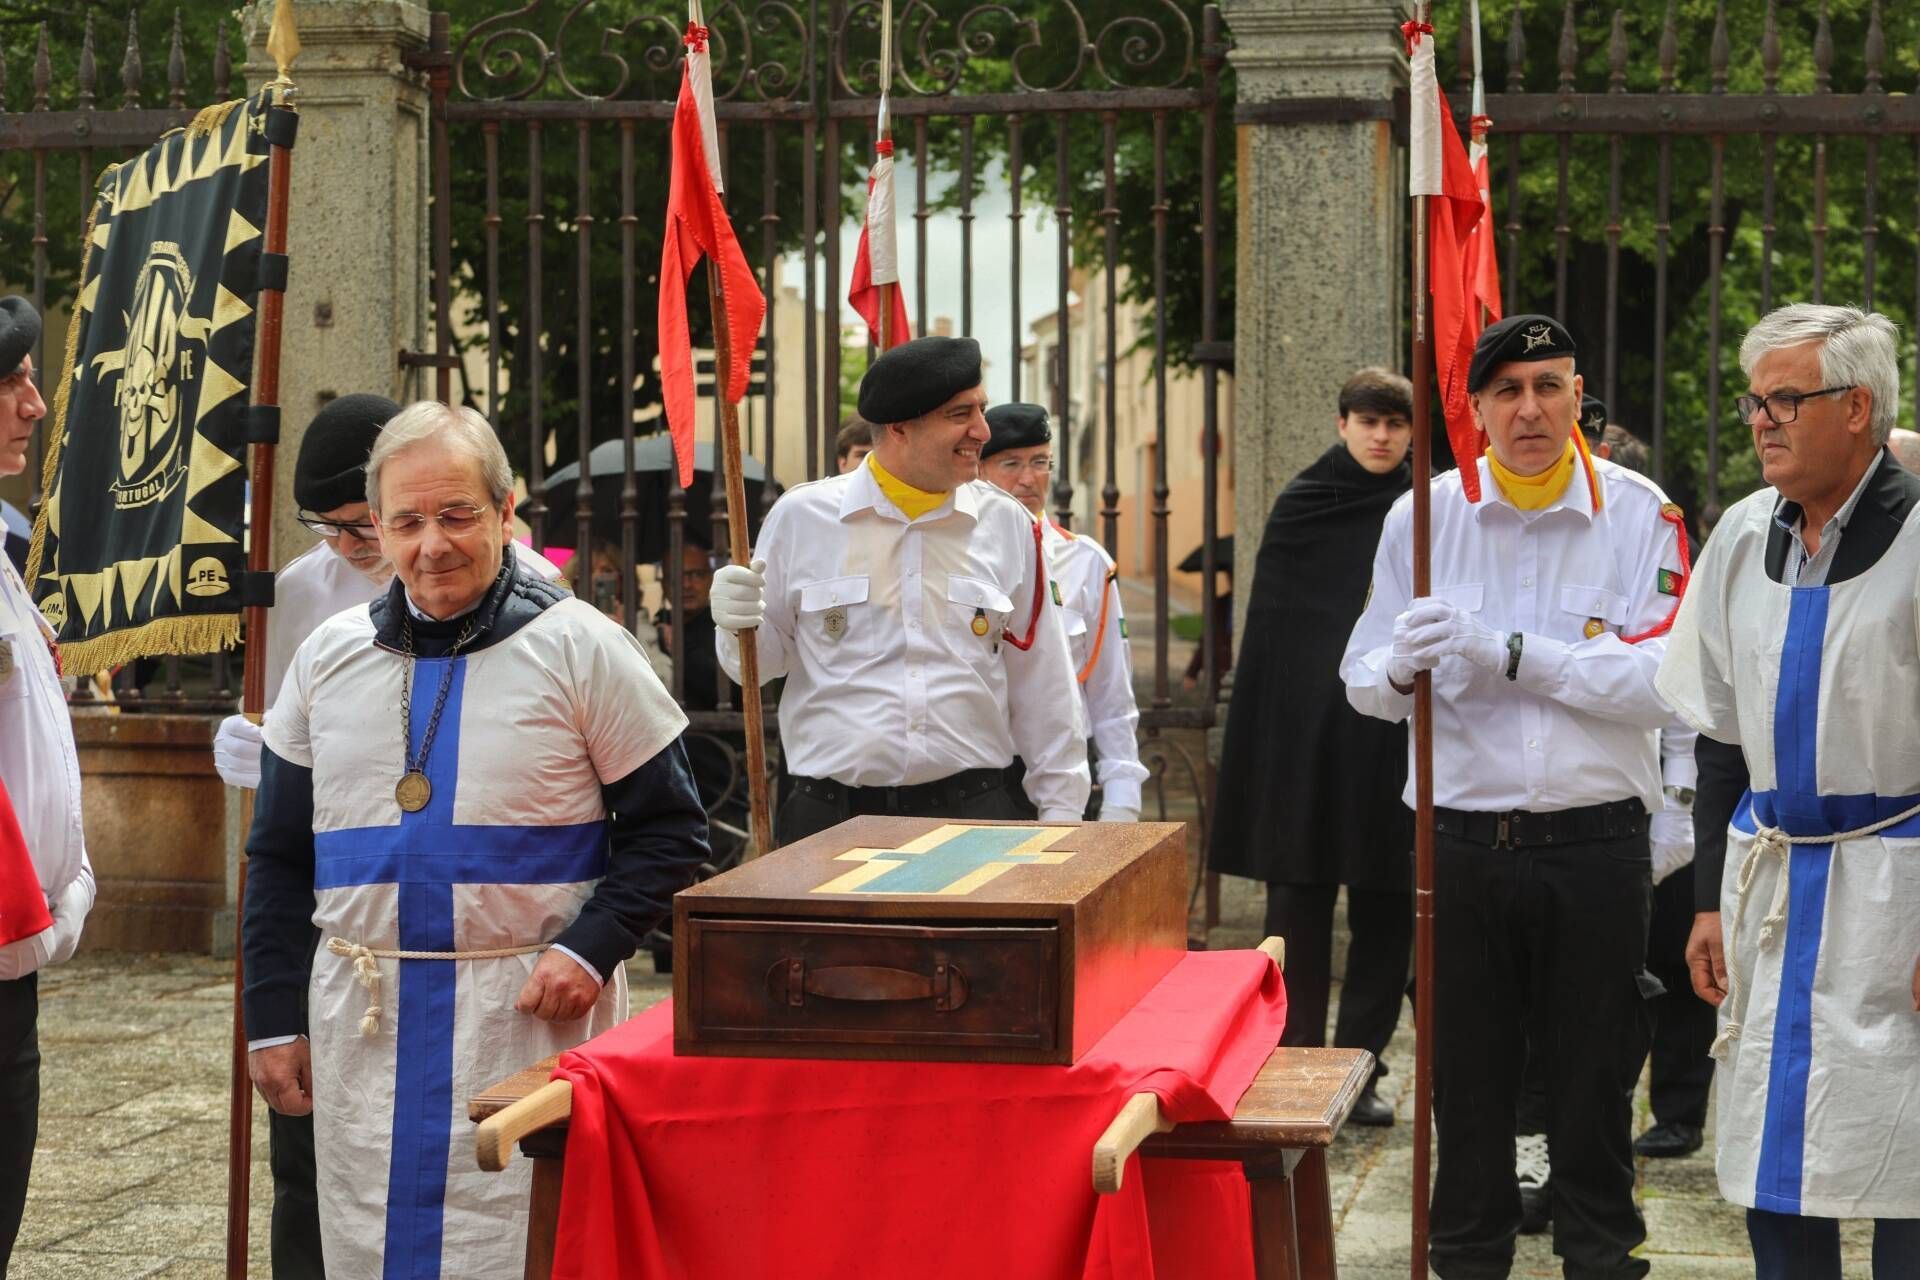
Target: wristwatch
column 1514, row 642
column 1682, row 796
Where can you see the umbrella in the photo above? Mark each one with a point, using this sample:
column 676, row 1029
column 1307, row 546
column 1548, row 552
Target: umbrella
column 652, row 467
column 1222, row 556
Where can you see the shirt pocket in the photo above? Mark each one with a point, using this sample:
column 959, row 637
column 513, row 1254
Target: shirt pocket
column 836, row 616
column 1585, row 612
column 977, row 612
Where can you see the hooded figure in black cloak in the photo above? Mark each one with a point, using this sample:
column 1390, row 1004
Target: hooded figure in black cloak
column 1309, row 790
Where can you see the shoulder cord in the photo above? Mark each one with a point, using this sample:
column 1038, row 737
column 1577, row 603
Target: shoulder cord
column 1039, row 596
column 1108, row 590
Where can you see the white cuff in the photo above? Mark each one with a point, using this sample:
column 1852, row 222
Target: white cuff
column 575, row 957
column 271, row 1042
column 1060, row 815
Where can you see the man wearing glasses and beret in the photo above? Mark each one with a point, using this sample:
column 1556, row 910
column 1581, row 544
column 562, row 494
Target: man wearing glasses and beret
column 1552, row 596
column 1797, row 655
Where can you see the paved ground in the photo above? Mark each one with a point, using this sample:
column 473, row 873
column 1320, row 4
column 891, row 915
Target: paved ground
column 130, row 1180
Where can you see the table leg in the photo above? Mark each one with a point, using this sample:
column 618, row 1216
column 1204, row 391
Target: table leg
column 1276, row 1245
column 543, row 1216
column 1313, row 1215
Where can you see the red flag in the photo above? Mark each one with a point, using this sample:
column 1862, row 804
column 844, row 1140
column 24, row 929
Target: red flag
column 1486, row 260
column 1440, row 170
column 23, row 904
column 697, row 226
column 877, row 263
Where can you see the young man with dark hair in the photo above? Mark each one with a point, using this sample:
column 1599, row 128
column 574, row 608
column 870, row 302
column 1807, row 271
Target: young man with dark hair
column 1317, row 807
column 852, row 443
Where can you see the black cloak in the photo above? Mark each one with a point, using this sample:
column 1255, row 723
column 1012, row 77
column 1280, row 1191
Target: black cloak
column 1309, row 789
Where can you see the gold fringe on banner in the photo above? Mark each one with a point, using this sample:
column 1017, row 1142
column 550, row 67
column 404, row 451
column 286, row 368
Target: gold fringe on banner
column 57, row 432
column 210, row 119
column 157, row 639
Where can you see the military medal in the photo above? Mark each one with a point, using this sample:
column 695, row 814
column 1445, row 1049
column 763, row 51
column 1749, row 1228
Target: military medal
column 836, row 622
column 980, row 626
column 413, row 791
column 1594, row 627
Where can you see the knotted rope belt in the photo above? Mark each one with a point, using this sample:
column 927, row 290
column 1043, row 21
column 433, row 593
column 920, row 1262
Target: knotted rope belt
column 367, row 969
column 1772, row 842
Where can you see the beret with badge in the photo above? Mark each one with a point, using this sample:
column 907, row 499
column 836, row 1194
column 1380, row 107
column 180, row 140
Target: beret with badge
column 917, row 377
column 331, row 469
column 1593, row 418
column 1016, row 426
column 1517, row 338
column 19, row 330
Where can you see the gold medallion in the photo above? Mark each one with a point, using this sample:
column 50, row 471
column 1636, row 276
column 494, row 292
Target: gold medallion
column 413, row 791
column 980, row 622
column 836, row 622
column 1594, row 627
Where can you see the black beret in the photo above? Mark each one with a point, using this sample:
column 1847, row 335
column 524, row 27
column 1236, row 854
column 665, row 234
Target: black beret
column 1593, row 417
column 1016, row 426
column 918, row 377
column 19, row 330
column 331, row 470
column 1517, row 338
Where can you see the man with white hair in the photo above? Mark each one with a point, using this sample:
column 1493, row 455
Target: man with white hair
column 1797, row 643
column 475, row 787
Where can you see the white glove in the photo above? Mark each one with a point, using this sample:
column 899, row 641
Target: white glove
column 236, row 752
column 1670, row 832
column 1669, row 858
column 69, row 915
column 1118, row 813
column 738, row 597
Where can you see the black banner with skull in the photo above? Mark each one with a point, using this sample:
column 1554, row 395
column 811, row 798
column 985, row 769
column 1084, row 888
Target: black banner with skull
column 140, row 546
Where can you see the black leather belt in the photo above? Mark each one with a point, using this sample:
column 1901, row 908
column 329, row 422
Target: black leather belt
column 921, row 797
column 1520, row 829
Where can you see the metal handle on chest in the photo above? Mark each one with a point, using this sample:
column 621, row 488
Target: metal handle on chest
column 790, row 982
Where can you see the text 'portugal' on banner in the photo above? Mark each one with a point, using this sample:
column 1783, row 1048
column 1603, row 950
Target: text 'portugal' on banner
column 138, row 550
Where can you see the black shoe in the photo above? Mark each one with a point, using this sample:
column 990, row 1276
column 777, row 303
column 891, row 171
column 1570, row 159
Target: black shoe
column 1372, row 1110
column 1536, row 1210
column 1668, row 1141
column 1533, row 1171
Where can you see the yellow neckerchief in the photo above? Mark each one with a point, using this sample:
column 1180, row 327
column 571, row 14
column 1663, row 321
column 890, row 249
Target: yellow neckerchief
column 914, row 502
column 1533, row 493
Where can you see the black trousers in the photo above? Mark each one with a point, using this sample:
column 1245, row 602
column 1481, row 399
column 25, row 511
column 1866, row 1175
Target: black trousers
column 295, row 1233
column 1683, row 1023
column 1547, row 945
column 1380, row 922
column 19, row 1101
column 808, row 811
column 1787, row 1246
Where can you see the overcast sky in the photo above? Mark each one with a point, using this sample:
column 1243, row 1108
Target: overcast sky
column 992, row 238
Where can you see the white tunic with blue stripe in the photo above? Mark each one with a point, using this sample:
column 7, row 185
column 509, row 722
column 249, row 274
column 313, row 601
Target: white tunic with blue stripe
column 505, row 854
column 1819, row 1097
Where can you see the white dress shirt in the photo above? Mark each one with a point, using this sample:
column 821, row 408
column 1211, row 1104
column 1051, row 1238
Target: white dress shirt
column 871, row 617
column 41, row 771
column 1085, row 573
column 1578, row 725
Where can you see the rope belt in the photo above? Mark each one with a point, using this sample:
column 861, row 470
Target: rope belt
column 367, row 970
column 1772, row 842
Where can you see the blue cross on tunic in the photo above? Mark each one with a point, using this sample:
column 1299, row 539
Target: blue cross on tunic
column 424, row 856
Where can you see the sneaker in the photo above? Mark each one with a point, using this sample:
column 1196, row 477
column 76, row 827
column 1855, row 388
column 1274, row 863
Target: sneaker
column 1534, row 1172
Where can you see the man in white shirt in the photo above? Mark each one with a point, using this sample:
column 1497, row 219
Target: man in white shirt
column 1551, row 599
column 1019, row 459
column 43, row 852
column 907, row 605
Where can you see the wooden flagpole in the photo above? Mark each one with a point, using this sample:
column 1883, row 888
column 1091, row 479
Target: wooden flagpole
column 1422, row 730
column 759, row 811
column 283, row 42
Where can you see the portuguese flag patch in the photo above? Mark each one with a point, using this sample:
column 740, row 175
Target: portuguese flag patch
column 1668, row 582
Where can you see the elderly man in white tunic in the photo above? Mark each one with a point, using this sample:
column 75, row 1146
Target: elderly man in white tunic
column 475, row 787
column 1799, row 643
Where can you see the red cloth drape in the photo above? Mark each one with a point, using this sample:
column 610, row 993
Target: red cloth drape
column 1453, row 270
column 23, row 903
column 741, row 1167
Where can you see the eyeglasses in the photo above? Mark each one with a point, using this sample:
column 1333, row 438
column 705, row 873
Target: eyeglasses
column 334, row 528
column 1014, row 466
column 454, row 521
column 1782, row 407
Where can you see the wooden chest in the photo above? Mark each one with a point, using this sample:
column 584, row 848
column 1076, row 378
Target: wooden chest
column 924, row 939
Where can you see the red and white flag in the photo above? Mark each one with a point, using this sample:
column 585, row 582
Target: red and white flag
column 1486, row 262
column 877, row 262
column 697, row 226
column 23, row 904
column 1439, row 169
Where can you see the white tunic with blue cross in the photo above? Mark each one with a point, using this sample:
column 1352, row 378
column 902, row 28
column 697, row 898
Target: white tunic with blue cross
column 504, row 855
column 1819, row 1097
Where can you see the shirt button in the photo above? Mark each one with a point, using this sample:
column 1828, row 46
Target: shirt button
column 914, row 673
column 1526, row 582
column 1533, row 743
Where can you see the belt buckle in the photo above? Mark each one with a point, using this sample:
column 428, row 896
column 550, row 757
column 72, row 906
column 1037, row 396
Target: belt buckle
column 1502, row 832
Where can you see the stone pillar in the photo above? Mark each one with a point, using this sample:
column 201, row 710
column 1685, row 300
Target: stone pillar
column 357, row 239
column 1322, row 283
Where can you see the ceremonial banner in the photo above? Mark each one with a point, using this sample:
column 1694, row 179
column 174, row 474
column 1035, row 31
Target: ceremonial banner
column 138, row 548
